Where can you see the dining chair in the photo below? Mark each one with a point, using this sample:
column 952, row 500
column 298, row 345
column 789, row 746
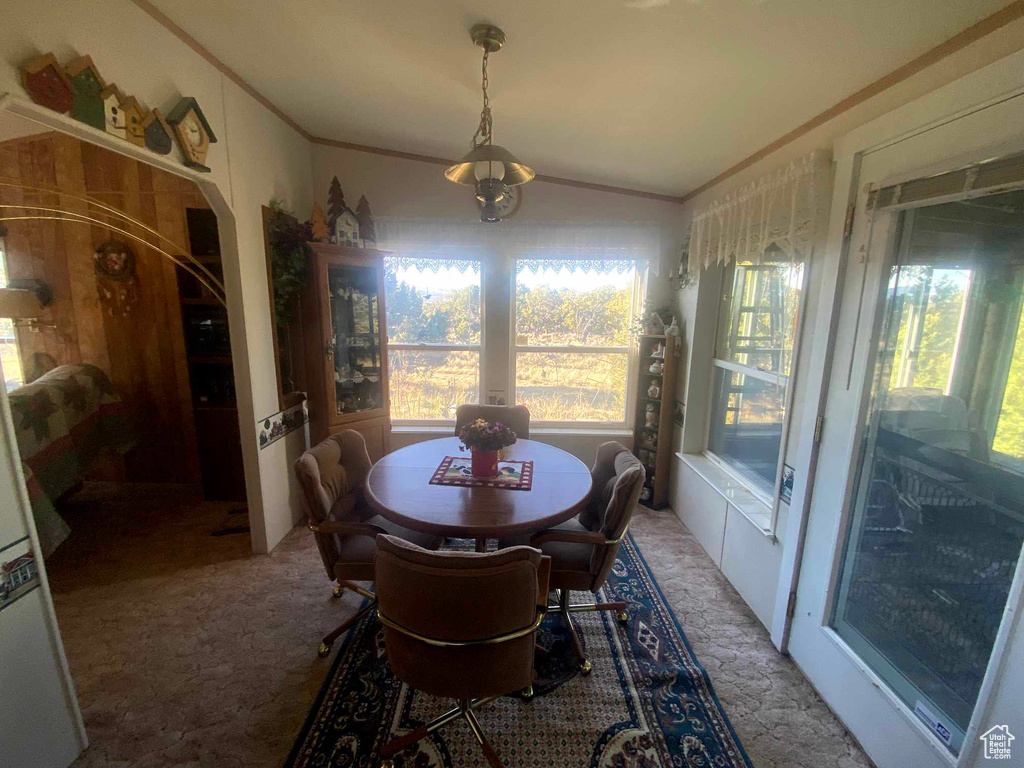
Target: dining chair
column 517, row 417
column 459, row 625
column 583, row 549
column 331, row 476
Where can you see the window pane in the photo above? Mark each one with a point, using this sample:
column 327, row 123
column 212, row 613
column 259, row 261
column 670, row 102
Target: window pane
column 758, row 313
column 935, row 527
column 572, row 386
column 432, row 301
column 10, row 359
column 570, row 302
column 431, row 384
column 746, row 425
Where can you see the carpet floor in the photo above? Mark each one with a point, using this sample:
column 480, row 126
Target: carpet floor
column 646, row 702
column 187, row 650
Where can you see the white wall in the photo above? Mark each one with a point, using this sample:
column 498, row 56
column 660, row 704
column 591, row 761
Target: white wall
column 257, row 157
column 408, row 189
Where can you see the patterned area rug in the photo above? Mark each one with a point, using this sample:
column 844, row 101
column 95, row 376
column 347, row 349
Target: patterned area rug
column 648, row 702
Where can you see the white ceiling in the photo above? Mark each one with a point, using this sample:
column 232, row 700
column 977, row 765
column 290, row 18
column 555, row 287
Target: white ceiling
column 656, row 95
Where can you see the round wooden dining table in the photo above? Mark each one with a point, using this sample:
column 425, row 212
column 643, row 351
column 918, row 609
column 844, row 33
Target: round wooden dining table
column 398, row 487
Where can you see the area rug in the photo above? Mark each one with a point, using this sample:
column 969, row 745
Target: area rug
column 647, row 704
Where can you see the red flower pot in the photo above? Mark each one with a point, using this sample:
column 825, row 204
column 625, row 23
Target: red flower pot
column 485, row 463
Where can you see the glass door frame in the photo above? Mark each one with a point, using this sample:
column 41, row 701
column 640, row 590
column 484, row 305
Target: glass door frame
column 883, row 724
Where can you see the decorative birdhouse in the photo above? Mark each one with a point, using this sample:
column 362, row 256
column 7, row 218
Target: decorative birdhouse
column 134, row 115
column 159, row 136
column 346, row 229
column 193, row 132
column 367, row 230
column 113, row 117
column 87, row 86
column 45, row 82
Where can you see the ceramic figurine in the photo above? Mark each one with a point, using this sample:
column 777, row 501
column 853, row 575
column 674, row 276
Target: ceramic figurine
column 650, row 417
column 645, row 493
column 658, row 351
column 654, row 390
column 650, row 441
column 673, row 329
column 657, row 367
column 654, row 325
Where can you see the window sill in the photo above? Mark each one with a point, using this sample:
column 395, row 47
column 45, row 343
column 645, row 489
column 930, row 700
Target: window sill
column 753, row 509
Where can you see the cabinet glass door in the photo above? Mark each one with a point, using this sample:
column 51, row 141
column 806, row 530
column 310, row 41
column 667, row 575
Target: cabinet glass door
column 355, row 340
column 938, row 516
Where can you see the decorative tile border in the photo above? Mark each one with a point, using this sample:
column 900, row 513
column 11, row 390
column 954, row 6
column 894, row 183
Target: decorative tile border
column 19, row 573
column 273, row 428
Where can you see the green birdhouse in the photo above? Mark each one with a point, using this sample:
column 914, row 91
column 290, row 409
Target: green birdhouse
column 86, row 84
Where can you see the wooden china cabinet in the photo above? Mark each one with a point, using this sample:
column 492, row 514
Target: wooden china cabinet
column 346, row 345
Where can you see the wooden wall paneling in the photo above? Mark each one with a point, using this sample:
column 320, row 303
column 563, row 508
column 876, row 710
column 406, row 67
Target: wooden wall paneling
column 169, row 216
column 46, row 257
column 85, row 303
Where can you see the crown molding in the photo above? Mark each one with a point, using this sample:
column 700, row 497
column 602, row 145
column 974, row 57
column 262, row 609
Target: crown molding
column 961, row 40
column 972, row 34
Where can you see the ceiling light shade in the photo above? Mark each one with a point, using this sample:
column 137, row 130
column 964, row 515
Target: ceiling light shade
column 512, row 172
column 487, row 167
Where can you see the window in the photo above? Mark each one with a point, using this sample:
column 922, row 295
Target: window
column 757, row 328
column 434, row 331
column 10, row 360
column 572, row 349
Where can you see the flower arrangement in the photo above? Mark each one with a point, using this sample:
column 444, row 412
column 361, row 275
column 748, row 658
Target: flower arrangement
column 482, row 435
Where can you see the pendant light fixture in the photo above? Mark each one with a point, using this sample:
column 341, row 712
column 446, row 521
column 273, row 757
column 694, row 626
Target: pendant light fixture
column 489, row 168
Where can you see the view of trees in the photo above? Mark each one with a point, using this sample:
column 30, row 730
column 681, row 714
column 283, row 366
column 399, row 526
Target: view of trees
column 927, row 327
column 557, row 385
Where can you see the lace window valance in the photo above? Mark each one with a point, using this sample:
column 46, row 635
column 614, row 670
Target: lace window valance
column 780, row 209
column 459, row 239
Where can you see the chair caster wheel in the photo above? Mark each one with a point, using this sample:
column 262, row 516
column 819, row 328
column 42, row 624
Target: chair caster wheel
column 337, row 591
column 323, row 651
column 586, row 668
column 528, row 692
column 623, row 617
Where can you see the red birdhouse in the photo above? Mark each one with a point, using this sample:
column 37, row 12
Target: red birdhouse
column 46, row 83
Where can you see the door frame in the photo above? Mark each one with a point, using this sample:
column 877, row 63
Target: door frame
column 989, row 87
column 231, row 261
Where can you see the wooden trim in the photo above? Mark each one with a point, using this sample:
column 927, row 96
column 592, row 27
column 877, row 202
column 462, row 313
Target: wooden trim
column 162, row 18
column 539, row 177
column 961, row 40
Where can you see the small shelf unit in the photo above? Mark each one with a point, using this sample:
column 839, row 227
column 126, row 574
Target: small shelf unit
column 653, row 444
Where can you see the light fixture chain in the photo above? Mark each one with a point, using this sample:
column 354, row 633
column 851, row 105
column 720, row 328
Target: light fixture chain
column 483, row 131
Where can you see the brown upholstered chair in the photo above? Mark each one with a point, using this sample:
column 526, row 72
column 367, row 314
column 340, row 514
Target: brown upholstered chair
column 459, row 625
column 517, row 417
column 583, row 549
column 332, row 475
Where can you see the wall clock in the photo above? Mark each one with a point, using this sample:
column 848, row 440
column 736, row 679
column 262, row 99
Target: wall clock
column 509, row 204
column 193, row 133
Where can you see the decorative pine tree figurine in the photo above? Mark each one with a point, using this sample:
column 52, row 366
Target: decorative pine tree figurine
column 335, row 203
column 318, row 223
column 366, row 229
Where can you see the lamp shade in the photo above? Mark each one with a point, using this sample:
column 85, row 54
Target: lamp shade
column 515, row 172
